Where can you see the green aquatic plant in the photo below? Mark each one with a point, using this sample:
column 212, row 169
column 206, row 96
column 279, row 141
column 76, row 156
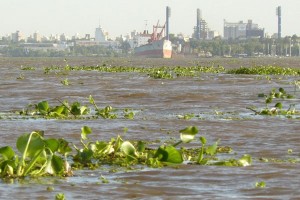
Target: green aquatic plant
column 75, row 110
column 265, row 70
column 60, row 196
column 38, row 157
column 186, row 116
column 61, row 111
column 129, row 114
column 260, row 184
column 65, row 82
column 163, row 72
column 27, row 68
column 277, row 109
column 106, row 113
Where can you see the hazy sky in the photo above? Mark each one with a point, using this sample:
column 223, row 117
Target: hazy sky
column 122, row 16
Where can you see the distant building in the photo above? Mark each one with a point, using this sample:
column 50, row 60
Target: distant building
column 63, row 37
column 253, row 31
column 37, row 37
column 234, row 30
column 213, row 34
column 17, row 36
column 241, row 30
column 138, row 39
column 100, row 35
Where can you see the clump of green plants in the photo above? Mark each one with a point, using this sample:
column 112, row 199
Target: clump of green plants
column 65, row 82
column 127, row 153
column 28, row 68
column 60, row 196
column 163, row 72
column 260, row 184
column 277, row 109
column 68, row 110
column 62, row 111
column 265, row 70
column 105, row 113
column 38, row 156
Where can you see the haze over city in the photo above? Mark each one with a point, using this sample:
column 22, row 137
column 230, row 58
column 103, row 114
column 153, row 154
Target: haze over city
column 119, row 17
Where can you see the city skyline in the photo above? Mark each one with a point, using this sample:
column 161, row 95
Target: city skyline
column 118, row 18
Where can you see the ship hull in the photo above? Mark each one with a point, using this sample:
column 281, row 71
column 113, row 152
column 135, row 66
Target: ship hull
column 156, row 49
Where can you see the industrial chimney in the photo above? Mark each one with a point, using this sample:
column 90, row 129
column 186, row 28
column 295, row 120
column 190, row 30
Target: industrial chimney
column 198, row 27
column 168, row 14
column 278, row 13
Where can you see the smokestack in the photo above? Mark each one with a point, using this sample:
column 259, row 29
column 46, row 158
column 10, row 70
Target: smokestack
column 168, row 14
column 198, row 27
column 278, row 13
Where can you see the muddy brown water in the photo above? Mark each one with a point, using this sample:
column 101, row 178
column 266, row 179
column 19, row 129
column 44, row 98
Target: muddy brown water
column 157, row 104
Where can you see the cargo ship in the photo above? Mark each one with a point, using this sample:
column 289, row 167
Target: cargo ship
column 155, row 49
column 158, row 46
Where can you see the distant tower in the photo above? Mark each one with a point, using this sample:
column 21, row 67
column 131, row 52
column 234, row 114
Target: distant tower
column 198, row 27
column 278, row 13
column 100, row 35
column 168, row 14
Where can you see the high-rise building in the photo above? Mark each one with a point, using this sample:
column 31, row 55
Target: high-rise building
column 17, row 36
column 100, row 35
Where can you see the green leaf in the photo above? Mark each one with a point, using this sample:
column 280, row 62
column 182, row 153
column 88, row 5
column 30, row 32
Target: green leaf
column 7, row 152
column 188, row 134
column 203, row 140
column 91, row 99
column 269, row 100
column 281, row 90
column 64, row 146
column 84, row 110
column 141, row 146
column 128, row 149
column 84, row 156
column 168, row 154
column 118, row 143
column 33, row 142
column 52, row 144
column 58, row 109
column 43, row 107
column 58, row 165
column 75, row 108
column 212, row 150
column 278, row 105
column 85, row 130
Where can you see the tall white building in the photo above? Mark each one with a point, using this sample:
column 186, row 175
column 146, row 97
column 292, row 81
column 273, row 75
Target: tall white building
column 100, row 36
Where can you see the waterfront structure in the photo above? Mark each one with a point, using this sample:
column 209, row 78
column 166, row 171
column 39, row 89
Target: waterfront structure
column 241, row 30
